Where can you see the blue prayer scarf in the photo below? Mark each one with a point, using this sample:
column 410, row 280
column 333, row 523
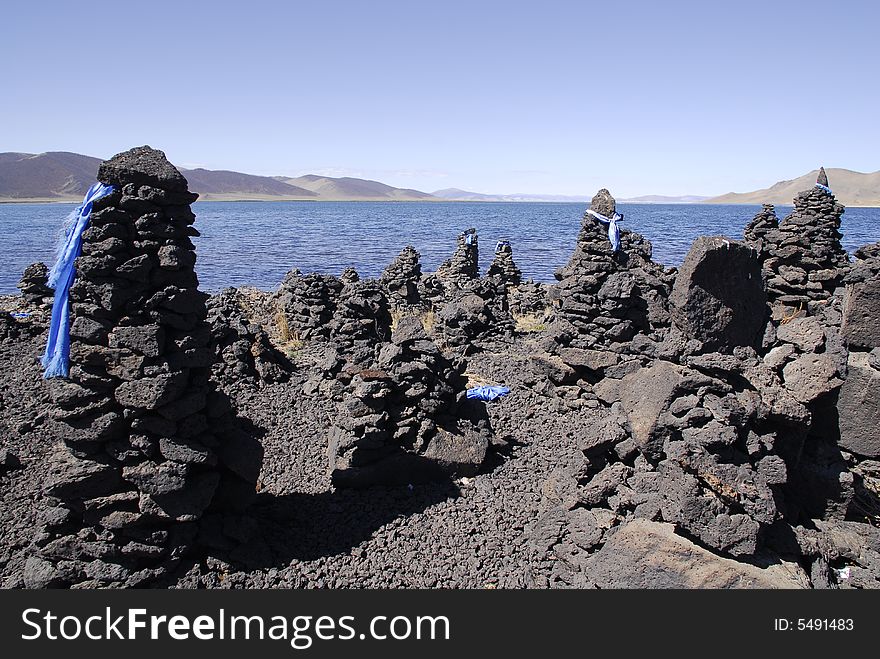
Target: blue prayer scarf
column 56, row 360
column 824, row 187
column 613, row 229
column 487, row 393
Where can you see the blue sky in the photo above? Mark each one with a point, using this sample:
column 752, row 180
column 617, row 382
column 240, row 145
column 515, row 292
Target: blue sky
column 544, row 97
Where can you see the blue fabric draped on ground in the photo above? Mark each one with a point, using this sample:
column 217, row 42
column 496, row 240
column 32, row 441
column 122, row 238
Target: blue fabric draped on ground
column 56, row 360
column 487, row 393
column 613, row 229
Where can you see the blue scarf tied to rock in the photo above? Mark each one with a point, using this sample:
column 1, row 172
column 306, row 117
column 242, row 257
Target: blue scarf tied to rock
column 613, row 229
column 56, row 360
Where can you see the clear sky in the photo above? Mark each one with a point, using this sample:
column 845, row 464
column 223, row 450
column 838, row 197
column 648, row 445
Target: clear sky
column 544, row 97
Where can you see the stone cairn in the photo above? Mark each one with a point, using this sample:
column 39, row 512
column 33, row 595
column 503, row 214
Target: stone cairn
column 728, row 428
column 699, row 439
column 604, row 298
column 402, row 277
column 475, row 315
column 399, row 420
column 307, row 303
column 361, row 320
column 33, row 286
column 464, row 264
column 241, row 350
column 803, row 259
column 349, row 276
column 503, row 267
column 148, row 447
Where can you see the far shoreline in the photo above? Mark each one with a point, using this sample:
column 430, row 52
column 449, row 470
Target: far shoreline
column 210, row 199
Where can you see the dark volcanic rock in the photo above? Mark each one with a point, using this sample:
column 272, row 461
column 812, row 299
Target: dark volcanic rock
column 143, row 453
column 503, row 267
column 401, row 278
column 398, row 421
column 306, row 304
column 604, row 298
column 464, row 264
column 33, row 286
column 803, row 260
column 858, row 407
column 644, row 554
column 860, row 314
column 142, row 166
column 719, row 297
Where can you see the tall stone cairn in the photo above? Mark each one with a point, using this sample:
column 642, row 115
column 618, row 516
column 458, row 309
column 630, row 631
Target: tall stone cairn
column 401, row 278
column 503, row 267
column 607, row 297
column 463, row 266
column 147, row 446
column 33, row 286
column 307, row 303
column 803, row 259
column 755, row 234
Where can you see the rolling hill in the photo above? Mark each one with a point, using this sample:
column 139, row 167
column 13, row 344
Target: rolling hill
column 54, row 175
column 354, row 189
column 851, row 189
column 63, row 176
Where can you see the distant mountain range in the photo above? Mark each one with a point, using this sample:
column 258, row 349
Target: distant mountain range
column 851, row 189
column 454, row 194
column 64, row 176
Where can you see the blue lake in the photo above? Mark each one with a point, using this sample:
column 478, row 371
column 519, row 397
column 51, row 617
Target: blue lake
column 256, row 243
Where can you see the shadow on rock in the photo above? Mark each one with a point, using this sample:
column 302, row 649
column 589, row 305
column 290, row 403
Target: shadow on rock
column 305, row 527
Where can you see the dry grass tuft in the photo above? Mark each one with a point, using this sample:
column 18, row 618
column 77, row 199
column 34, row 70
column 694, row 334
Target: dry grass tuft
column 531, row 322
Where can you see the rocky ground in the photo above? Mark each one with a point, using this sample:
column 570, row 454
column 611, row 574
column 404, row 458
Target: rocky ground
column 711, row 426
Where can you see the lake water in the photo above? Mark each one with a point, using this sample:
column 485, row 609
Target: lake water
column 256, row 243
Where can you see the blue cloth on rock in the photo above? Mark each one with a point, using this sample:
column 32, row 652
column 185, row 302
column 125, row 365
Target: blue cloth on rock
column 613, row 229
column 487, row 393
column 56, row 360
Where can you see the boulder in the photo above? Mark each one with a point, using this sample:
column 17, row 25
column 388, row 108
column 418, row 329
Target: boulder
column 858, row 408
column 643, row 554
column 860, row 313
column 719, row 297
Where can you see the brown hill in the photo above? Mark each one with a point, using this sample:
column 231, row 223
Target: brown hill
column 62, row 176
column 53, row 175
column 851, row 189
column 355, row 189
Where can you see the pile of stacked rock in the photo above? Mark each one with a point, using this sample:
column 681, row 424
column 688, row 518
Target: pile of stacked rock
column 148, row 446
column 464, row 264
column 399, row 419
column 476, row 315
column 402, row 277
column 241, row 350
column 33, row 286
column 605, row 297
column 349, row 276
column 756, row 231
column 726, row 431
column 803, row 259
column 361, row 319
column 529, row 298
column 307, row 303
column 503, row 267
